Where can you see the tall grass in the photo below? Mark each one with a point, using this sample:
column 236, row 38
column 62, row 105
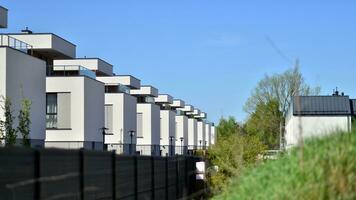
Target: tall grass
column 328, row 172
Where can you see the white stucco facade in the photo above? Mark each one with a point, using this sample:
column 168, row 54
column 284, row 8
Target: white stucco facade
column 86, row 113
column 208, row 134
column 94, row 64
column 182, row 129
column 192, row 133
column 150, row 127
column 24, row 76
column 213, row 135
column 123, row 118
column 168, row 126
column 200, row 134
column 3, row 17
column 313, row 126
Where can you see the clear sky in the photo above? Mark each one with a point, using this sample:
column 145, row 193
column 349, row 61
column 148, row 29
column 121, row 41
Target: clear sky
column 210, row 53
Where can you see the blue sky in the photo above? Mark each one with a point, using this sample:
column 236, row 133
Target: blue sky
column 209, row 53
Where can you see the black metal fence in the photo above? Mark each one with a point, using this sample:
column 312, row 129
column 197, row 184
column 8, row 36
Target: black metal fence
column 56, row 174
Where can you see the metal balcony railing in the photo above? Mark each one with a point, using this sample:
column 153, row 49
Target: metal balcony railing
column 8, row 41
column 69, row 70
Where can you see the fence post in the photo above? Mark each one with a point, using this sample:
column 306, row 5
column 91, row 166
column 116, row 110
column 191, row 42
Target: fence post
column 113, row 166
column 153, row 176
column 166, row 159
column 136, row 177
column 177, row 177
column 37, row 192
column 81, row 173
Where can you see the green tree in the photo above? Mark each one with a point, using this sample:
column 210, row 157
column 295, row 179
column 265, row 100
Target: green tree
column 278, row 88
column 7, row 125
column 233, row 152
column 25, row 121
column 264, row 122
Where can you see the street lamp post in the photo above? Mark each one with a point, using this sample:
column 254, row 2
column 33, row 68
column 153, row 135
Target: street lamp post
column 132, row 133
column 200, row 144
column 206, row 142
column 171, row 145
column 181, row 144
column 103, row 132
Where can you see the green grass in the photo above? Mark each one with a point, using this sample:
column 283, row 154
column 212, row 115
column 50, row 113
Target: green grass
column 325, row 170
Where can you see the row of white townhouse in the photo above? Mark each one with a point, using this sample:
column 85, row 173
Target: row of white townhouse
column 81, row 103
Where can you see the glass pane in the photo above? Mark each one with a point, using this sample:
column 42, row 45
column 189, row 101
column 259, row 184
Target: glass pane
column 51, row 121
column 51, row 103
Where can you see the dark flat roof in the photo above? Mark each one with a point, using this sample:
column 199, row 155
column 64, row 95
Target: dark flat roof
column 322, row 105
column 4, row 8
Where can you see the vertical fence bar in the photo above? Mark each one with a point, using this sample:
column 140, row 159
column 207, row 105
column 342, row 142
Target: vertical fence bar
column 37, row 192
column 166, row 175
column 136, row 177
column 81, row 173
column 153, row 176
column 177, row 177
column 113, row 177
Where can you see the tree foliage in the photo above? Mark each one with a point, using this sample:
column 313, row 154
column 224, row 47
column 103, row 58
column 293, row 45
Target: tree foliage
column 233, row 152
column 280, row 88
column 7, row 124
column 264, row 122
column 24, row 121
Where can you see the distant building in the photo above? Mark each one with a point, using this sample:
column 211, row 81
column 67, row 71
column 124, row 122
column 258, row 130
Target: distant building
column 316, row 116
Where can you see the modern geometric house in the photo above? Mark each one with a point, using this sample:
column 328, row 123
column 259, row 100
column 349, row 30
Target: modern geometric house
column 181, row 127
column 148, row 121
column 316, row 116
column 120, row 112
column 192, row 126
column 201, row 129
column 80, row 103
column 168, row 124
column 23, row 76
column 3, row 17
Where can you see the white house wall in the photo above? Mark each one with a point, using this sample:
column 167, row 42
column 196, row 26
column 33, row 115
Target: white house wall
column 208, row 134
column 314, row 126
column 151, row 124
column 168, row 126
column 201, row 133
column 213, row 135
column 124, row 117
column 192, row 132
column 182, row 130
column 87, row 109
column 21, row 76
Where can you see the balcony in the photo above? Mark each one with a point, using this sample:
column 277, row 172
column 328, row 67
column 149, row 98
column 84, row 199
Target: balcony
column 117, row 89
column 145, row 91
column 128, row 81
column 3, row 17
column 177, row 103
column 98, row 65
column 69, row 70
column 47, row 45
column 164, row 99
column 12, row 42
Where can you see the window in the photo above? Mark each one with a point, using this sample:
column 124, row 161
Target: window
column 139, row 125
column 58, row 110
column 51, row 110
column 109, row 118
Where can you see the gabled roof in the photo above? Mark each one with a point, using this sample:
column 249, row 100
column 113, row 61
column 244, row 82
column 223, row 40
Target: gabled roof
column 322, row 105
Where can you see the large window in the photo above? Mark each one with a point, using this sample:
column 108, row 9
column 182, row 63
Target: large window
column 109, row 118
column 139, row 125
column 58, row 111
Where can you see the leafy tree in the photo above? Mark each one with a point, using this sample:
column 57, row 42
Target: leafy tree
column 264, row 122
column 276, row 89
column 233, row 152
column 7, row 125
column 25, row 121
column 280, row 88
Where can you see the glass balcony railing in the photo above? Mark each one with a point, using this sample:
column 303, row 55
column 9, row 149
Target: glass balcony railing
column 69, row 70
column 9, row 41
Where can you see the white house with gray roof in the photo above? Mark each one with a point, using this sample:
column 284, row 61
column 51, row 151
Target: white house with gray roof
column 316, row 116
